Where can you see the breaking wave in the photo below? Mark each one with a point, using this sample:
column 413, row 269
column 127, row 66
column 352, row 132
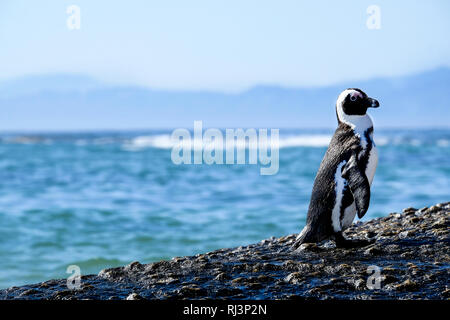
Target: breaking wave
column 164, row 141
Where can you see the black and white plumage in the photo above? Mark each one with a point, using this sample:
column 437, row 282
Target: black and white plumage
column 342, row 185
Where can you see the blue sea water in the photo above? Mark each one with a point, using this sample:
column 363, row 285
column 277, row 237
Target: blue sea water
column 104, row 199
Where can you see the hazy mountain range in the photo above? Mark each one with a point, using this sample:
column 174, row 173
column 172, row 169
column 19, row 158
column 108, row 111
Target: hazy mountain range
column 77, row 102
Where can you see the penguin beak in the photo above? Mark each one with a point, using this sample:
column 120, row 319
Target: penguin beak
column 373, row 103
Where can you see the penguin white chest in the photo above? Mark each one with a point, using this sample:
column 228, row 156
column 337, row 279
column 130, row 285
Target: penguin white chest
column 372, row 163
column 342, row 222
column 350, row 211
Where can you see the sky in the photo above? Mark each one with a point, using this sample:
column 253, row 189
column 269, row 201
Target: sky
column 223, row 45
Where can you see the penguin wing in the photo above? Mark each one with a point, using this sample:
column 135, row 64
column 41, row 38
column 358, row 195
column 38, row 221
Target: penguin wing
column 358, row 183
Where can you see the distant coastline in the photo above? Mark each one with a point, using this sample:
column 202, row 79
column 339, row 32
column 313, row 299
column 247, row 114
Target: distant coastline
column 70, row 102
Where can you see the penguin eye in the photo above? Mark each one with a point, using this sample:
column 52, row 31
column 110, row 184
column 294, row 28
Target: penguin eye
column 353, row 98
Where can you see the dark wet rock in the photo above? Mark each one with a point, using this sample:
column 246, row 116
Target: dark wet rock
column 409, row 260
column 29, row 292
column 295, row 278
column 134, row 296
column 192, row 291
column 406, row 285
column 222, row 277
column 387, row 279
column 373, row 250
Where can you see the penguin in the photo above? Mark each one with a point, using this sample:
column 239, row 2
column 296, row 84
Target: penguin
column 341, row 188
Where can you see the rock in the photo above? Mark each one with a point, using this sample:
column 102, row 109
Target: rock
column 359, row 284
column 29, row 292
column 434, row 209
column 388, row 279
column 373, row 250
column 192, row 291
column 168, row 280
column 308, row 246
column 441, row 224
column 238, row 281
column 408, row 284
column 230, row 292
column 134, row 296
column 254, row 286
column 406, row 234
column 294, row 278
column 410, row 212
column 264, row 278
column 134, row 266
column 222, row 277
column 446, row 293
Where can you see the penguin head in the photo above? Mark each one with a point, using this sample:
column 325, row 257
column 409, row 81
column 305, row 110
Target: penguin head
column 354, row 102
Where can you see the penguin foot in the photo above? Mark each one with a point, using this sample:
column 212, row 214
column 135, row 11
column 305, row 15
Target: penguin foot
column 342, row 242
column 296, row 244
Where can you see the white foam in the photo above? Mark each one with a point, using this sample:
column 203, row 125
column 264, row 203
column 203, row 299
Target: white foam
column 164, row 141
column 305, row 141
column 381, row 141
column 443, row 143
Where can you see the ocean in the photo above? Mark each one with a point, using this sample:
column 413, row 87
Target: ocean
column 105, row 199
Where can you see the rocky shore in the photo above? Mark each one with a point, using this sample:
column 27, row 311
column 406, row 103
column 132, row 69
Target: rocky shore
column 409, row 260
